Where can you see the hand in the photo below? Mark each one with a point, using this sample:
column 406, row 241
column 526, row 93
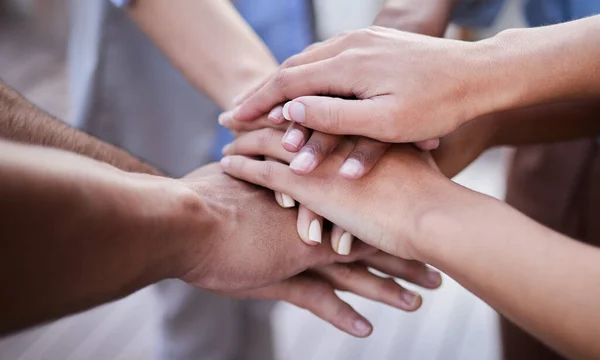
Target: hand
column 384, row 208
column 397, row 86
column 239, row 256
column 314, row 290
column 463, row 146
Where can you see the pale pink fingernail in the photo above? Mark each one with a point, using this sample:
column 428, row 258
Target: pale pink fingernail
column 362, row 327
column 294, row 138
column 225, row 118
column 303, row 162
column 351, row 168
column 238, row 99
column 410, row 298
column 226, row 149
column 276, row 115
column 225, row 162
column 294, row 111
column 434, row 278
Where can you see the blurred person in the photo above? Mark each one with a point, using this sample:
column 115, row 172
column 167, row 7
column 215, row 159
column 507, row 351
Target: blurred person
column 106, row 227
column 126, row 91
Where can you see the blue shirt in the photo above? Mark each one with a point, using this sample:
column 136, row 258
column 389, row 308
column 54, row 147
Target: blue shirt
column 482, row 13
column 285, row 26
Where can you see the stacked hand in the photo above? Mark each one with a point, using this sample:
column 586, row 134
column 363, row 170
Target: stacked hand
column 271, row 262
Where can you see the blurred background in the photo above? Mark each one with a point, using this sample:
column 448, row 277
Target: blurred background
column 452, row 324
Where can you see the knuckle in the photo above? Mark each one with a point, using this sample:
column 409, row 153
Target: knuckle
column 316, row 147
column 333, row 120
column 345, row 272
column 282, row 78
column 389, row 287
column 266, row 173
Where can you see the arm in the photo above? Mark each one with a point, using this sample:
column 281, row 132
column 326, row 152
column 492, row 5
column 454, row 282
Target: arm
column 76, row 233
column 421, row 17
column 401, row 87
column 24, row 122
column 538, row 124
column 544, row 281
column 209, row 42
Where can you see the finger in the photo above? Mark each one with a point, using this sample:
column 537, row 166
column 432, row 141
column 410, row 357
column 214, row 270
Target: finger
column 363, row 158
column 226, row 120
column 318, row 297
column 314, row 152
column 285, row 201
column 410, row 270
column 357, row 279
column 321, row 77
column 341, row 241
column 264, row 142
column 310, row 226
column 428, row 145
column 295, row 137
column 370, row 117
column 276, row 116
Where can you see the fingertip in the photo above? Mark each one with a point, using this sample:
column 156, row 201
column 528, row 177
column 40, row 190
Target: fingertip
column 225, row 163
column 352, row 169
column 225, row 118
column 428, row 145
column 361, row 328
column 276, row 116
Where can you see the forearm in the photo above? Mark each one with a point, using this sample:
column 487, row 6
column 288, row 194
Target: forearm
column 526, row 67
column 22, row 121
column 209, row 42
column 545, row 282
column 546, row 123
column 422, row 17
column 77, row 233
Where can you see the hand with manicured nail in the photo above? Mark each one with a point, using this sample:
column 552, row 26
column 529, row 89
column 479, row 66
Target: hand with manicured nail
column 243, row 256
column 405, row 183
column 380, row 83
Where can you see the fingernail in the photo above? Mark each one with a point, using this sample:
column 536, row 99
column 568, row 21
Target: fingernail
column 294, row 137
column 225, row 162
column 314, row 231
column 288, row 201
column 345, row 245
column 410, row 298
column 303, row 162
column 226, row 149
column 351, row 168
column 276, row 115
column 225, row 118
column 294, row 111
column 434, row 278
column 362, row 327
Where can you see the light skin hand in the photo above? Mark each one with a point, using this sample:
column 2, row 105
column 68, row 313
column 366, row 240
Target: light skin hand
column 261, row 261
column 420, row 186
column 400, row 87
column 363, row 67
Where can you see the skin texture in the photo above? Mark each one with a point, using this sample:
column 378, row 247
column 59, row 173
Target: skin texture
column 401, row 87
column 151, row 228
column 424, row 216
column 135, row 254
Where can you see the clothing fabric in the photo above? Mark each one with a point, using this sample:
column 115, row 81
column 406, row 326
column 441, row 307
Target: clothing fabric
column 124, row 91
column 482, row 13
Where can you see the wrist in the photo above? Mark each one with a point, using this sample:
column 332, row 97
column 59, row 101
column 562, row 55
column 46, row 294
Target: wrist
column 442, row 223
column 170, row 221
column 525, row 67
